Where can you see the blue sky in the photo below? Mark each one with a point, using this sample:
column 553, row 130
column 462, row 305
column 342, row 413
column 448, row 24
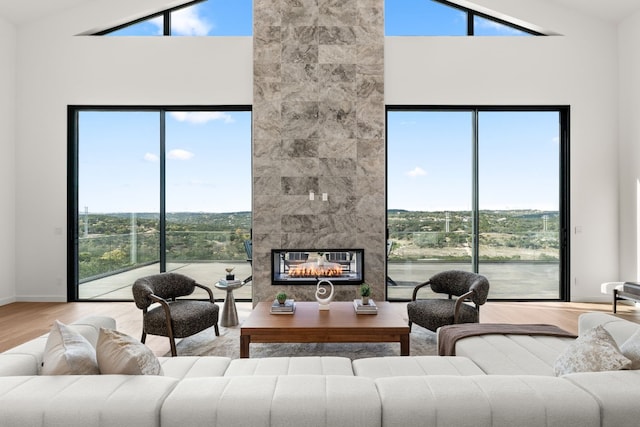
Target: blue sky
column 209, row 154
column 234, row 18
column 429, row 160
column 209, row 18
column 208, row 161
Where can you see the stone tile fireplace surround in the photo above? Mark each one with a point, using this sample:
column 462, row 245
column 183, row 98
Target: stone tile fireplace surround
column 318, row 126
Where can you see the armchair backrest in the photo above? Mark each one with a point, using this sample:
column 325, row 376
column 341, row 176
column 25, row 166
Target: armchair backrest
column 456, row 282
column 164, row 285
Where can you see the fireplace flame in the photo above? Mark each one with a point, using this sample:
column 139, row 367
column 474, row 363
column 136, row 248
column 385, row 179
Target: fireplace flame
column 314, row 270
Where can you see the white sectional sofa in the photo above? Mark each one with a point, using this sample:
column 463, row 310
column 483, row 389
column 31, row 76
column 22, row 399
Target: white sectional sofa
column 492, row 381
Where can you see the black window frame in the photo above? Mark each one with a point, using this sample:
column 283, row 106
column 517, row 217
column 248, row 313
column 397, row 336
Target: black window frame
column 564, row 112
column 72, row 179
column 166, row 15
column 471, row 14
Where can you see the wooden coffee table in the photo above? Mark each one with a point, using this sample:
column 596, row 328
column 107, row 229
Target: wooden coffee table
column 338, row 324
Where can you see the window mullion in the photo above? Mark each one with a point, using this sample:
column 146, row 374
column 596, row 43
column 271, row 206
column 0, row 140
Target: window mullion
column 167, row 24
column 470, row 29
column 163, row 207
column 475, row 188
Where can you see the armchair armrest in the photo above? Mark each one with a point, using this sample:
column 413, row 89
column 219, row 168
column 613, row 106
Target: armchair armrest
column 459, row 302
column 417, row 288
column 206, row 288
column 165, row 307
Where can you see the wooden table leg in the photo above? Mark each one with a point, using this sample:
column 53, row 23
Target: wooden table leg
column 404, row 345
column 245, row 340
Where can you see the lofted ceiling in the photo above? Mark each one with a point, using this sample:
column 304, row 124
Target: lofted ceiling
column 23, row 11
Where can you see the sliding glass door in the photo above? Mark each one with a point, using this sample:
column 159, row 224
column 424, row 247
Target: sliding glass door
column 478, row 189
column 429, row 174
column 519, row 203
column 154, row 190
column 117, row 199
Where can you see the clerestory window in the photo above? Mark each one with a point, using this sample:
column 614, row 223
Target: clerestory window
column 196, row 18
column 444, row 18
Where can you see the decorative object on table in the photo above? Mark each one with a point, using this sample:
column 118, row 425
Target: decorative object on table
column 365, row 293
column 229, row 275
column 369, row 308
column 321, row 290
column 288, row 307
column 281, row 297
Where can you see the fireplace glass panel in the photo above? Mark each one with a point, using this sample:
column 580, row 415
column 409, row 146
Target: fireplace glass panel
column 307, row 266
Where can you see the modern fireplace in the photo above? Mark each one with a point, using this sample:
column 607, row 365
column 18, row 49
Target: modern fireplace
column 307, row 266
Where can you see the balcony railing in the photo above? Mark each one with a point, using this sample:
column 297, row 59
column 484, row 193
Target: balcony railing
column 100, row 256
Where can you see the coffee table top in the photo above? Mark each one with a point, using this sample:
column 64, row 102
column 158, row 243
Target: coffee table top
column 340, row 316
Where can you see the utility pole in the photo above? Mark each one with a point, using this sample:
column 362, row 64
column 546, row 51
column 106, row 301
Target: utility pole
column 86, row 221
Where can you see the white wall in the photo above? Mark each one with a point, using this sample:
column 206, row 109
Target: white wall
column 7, row 158
column 578, row 69
column 629, row 51
column 57, row 69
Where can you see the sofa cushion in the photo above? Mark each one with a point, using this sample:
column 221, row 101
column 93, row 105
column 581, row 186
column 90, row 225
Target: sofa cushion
column 83, row 401
column 194, row 366
column 294, row 400
column 631, row 349
column 68, row 353
column 485, row 401
column 88, row 327
column 513, row 354
column 320, row 365
column 118, row 353
column 17, row 364
column 620, row 329
column 617, row 393
column 593, row 351
column 377, row 367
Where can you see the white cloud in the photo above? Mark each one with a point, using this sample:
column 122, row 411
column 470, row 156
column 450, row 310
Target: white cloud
column 417, row 171
column 150, row 157
column 199, row 117
column 497, row 27
column 187, row 22
column 179, row 154
column 159, row 23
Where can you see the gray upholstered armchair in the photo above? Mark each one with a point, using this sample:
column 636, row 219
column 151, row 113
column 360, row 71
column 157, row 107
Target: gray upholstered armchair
column 435, row 312
column 173, row 318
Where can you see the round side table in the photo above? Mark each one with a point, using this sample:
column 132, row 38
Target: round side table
column 229, row 316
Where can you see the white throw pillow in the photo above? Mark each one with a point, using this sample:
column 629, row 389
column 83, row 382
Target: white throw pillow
column 118, row 353
column 593, row 351
column 68, row 353
column 631, row 349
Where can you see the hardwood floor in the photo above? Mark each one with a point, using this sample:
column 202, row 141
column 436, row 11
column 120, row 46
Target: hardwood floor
column 22, row 321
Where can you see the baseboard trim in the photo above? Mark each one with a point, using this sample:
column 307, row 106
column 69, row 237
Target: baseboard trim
column 40, row 298
column 8, row 300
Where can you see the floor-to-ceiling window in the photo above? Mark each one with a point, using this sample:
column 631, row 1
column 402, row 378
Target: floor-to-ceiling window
column 478, row 189
column 154, row 190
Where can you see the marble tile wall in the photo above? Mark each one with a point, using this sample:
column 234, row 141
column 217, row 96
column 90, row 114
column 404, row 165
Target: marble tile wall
column 318, row 125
